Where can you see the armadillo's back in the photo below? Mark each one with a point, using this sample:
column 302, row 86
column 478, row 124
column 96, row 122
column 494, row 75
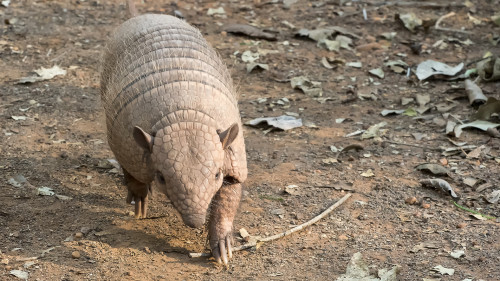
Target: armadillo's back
column 156, row 65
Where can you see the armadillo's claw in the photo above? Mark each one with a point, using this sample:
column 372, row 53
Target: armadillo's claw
column 141, row 204
column 221, row 250
column 137, row 193
column 229, row 248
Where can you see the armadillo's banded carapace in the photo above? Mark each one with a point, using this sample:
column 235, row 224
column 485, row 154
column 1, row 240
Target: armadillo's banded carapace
column 155, row 65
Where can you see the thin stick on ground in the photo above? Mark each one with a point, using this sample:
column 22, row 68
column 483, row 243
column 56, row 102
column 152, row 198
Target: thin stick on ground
column 412, row 145
column 419, row 4
column 283, row 234
column 437, row 27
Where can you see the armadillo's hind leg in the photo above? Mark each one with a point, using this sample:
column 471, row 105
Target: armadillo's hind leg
column 137, row 192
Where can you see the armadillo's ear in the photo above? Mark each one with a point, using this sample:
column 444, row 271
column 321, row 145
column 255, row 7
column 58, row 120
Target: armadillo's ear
column 228, row 136
column 143, row 139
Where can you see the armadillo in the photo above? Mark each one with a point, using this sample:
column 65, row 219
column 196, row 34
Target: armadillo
column 172, row 117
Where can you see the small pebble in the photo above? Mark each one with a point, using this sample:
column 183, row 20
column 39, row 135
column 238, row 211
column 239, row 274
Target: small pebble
column 278, row 212
column 75, row 255
column 78, row 235
column 426, row 205
column 411, row 200
column 147, row 250
column 343, row 237
column 244, row 234
column 299, row 216
column 4, row 261
column 85, row 230
column 443, row 161
column 370, row 38
column 461, row 225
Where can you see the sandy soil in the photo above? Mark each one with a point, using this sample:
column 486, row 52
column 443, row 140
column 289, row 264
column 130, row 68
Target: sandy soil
column 59, row 142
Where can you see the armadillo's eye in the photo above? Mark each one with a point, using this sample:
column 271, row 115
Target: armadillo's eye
column 160, row 178
column 218, row 175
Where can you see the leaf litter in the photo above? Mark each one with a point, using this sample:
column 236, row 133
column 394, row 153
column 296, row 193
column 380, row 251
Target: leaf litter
column 283, row 122
column 325, row 33
column 441, row 185
column 373, row 131
column 250, row 31
column 432, row 68
column 485, row 111
column 489, row 69
column 474, row 93
column 443, row 270
column 434, row 169
column 357, row 269
column 256, row 66
column 493, row 197
column 310, row 88
column 43, row 74
column 478, row 124
column 410, row 20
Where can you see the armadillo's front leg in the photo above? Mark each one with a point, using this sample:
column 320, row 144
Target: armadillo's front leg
column 137, row 192
column 224, row 208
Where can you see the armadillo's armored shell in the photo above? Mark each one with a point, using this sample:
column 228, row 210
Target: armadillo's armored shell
column 158, row 69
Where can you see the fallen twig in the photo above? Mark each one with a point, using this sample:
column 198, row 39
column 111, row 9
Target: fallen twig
column 412, row 145
column 456, row 118
column 418, row 4
column 283, row 234
column 437, row 27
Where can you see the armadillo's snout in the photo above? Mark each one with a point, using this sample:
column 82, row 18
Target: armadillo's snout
column 194, row 221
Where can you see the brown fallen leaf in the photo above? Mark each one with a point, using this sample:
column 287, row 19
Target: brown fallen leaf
column 475, row 153
column 474, row 93
column 435, row 169
column 484, row 112
column 421, row 246
column 369, row 47
column 250, row 31
column 489, row 70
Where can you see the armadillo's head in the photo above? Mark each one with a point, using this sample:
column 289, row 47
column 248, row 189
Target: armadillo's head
column 188, row 159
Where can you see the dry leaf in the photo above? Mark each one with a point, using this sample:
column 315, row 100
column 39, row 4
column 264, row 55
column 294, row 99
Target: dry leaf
column 373, row 130
column 283, row 122
column 474, row 93
column 440, row 184
column 369, row 173
column 484, row 112
column 250, row 31
column 489, row 69
column 478, row 124
column 443, row 270
column 493, row 197
column 310, row 88
column 430, row 68
column 410, row 21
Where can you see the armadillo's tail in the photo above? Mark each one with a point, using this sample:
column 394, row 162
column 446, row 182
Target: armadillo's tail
column 131, row 8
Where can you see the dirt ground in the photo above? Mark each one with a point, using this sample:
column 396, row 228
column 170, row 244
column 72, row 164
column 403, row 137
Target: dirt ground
column 53, row 135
